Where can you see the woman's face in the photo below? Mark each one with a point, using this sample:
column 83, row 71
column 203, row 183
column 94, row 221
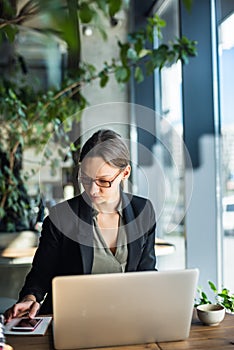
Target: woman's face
column 93, row 168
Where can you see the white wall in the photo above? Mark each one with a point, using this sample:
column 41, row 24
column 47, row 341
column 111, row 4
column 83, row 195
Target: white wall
column 96, row 51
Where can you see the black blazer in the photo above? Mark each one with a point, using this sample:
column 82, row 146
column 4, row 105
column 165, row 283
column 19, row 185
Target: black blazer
column 66, row 243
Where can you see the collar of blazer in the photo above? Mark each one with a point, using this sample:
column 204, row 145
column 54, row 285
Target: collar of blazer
column 79, row 227
column 83, row 208
column 73, row 218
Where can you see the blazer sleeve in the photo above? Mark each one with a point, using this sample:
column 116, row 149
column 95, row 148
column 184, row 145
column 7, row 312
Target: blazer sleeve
column 45, row 262
column 148, row 258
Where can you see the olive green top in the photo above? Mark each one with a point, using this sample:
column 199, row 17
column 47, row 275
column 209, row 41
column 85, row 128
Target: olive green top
column 104, row 260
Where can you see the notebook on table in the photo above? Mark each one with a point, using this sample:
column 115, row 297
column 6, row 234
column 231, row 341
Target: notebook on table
column 123, row 308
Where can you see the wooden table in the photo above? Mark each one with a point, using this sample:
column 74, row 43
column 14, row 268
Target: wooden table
column 15, row 247
column 201, row 337
column 18, row 245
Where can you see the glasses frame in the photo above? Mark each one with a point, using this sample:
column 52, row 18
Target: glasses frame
column 95, row 180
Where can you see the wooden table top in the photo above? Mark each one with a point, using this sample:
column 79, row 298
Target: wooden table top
column 201, row 337
column 18, row 245
column 24, row 244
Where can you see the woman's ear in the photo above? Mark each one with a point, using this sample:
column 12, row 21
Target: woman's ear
column 126, row 172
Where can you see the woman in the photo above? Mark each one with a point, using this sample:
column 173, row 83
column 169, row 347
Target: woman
column 103, row 230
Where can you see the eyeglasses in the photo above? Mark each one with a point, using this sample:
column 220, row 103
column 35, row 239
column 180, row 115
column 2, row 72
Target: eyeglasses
column 87, row 181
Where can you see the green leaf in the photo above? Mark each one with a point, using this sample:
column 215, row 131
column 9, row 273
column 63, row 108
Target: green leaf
column 156, row 21
column 21, row 112
column 122, row 74
column 8, row 9
column 154, row 26
column 7, row 170
column 123, row 52
column 73, row 147
column 204, row 296
column 2, row 212
column 132, row 54
column 139, row 45
column 85, row 13
column 224, row 296
column 114, row 7
column 138, row 75
column 10, row 32
column 104, row 78
column 144, row 52
column 212, row 286
column 158, row 58
column 225, row 290
column 150, row 67
column 12, row 94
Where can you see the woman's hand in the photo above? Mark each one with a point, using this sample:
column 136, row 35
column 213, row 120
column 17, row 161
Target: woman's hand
column 26, row 307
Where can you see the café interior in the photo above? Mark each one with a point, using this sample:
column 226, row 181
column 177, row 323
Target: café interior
column 178, row 122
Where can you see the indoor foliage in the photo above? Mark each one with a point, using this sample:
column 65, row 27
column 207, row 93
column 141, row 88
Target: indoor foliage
column 224, row 297
column 29, row 117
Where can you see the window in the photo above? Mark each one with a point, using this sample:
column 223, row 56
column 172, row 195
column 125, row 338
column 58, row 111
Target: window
column 226, row 53
column 170, row 131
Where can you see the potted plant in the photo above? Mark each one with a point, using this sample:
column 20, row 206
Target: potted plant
column 212, row 312
column 223, row 297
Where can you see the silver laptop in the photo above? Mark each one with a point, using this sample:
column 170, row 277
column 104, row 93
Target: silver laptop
column 123, row 308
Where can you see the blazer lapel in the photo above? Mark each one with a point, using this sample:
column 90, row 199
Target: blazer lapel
column 85, row 232
column 134, row 244
column 87, row 258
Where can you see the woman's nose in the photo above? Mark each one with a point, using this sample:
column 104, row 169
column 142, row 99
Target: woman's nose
column 94, row 188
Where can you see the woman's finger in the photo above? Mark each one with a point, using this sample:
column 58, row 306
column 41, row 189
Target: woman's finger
column 8, row 314
column 18, row 310
column 33, row 310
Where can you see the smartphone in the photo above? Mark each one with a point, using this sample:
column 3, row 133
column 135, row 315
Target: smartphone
column 26, row 324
